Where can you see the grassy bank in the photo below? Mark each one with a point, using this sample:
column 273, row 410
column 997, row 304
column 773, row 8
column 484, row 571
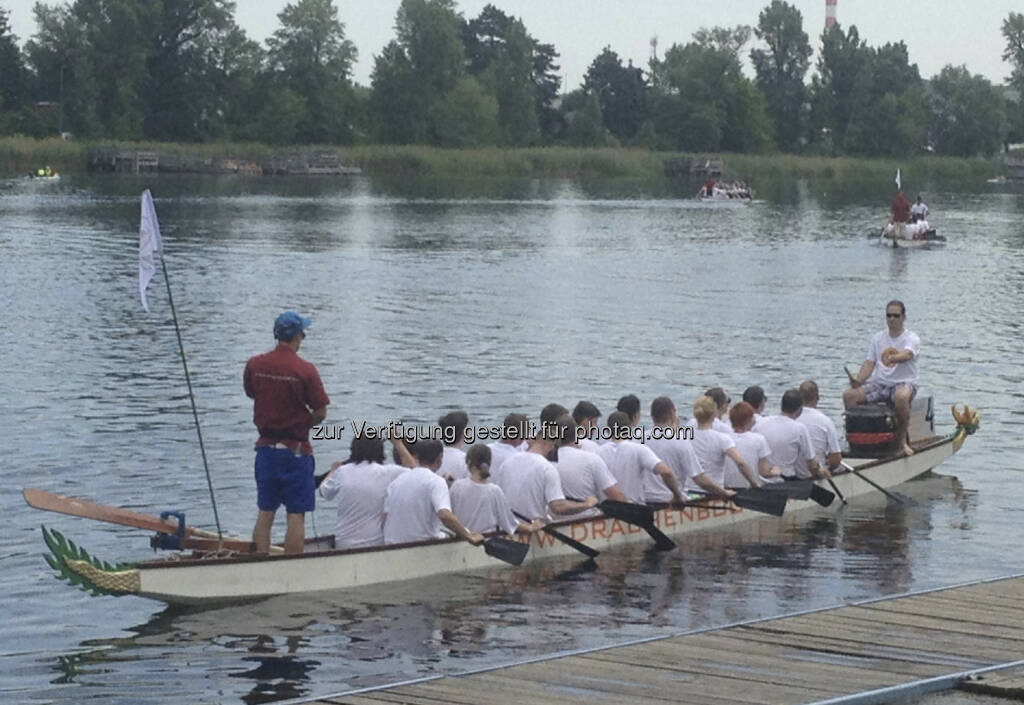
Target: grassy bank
column 19, row 155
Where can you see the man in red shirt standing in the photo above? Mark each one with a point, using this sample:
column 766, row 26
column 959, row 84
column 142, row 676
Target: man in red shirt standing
column 900, row 215
column 288, row 399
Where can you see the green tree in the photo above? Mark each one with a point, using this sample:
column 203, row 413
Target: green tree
column 704, row 102
column 841, row 88
column 465, row 117
column 13, row 76
column 895, row 122
column 418, row 68
column 781, row 70
column 546, row 83
column 500, row 53
column 585, row 124
column 968, row 113
column 1013, row 32
column 621, row 92
column 310, row 55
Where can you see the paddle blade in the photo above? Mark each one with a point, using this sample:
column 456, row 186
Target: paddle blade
column 773, row 503
column 512, row 552
column 637, row 514
column 794, row 489
column 822, row 496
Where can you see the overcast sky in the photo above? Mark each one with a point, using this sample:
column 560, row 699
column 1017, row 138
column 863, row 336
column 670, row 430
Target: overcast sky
column 937, row 32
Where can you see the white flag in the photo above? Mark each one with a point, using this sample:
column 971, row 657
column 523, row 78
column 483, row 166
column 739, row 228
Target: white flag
column 899, row 184
column 150, row 244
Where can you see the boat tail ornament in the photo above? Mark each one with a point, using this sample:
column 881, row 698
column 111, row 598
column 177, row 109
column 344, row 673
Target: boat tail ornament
column 967, row 422
column 75, row 565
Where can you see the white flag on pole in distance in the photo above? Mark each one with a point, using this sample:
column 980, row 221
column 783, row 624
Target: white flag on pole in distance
column 899, row 184
column 150, row 244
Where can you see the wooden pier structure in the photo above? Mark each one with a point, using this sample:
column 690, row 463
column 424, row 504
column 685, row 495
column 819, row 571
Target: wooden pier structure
column 874, row 651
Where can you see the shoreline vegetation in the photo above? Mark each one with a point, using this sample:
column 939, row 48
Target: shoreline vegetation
column 20, row 155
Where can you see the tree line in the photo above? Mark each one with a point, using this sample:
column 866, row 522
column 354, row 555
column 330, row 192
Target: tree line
column 183, row 70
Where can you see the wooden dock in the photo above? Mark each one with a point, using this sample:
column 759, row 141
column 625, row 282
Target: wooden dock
column 868, row 652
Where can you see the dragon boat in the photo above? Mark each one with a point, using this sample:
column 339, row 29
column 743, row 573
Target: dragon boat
column 211, row 570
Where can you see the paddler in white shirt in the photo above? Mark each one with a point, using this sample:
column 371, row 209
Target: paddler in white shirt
column 666, row 440
column 531, row 483
column 514, row 430
column 453, row 433
column 587, row 415
column 481, row 505
column 824, row 436
column 631, row 463
column 418, row 504
column 583, row 473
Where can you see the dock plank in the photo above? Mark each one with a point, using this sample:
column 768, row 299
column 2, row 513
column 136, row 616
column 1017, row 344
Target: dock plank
column 784, row 661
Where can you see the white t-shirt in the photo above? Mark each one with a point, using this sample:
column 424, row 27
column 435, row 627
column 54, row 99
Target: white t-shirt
column 752, row 446
column 582, row 474
column 482, row 506
column 530, row 483
column 360, row 489
column 824, row 438
column 630, row 463
column 412, row 503
column 679, row 455
column 711, row 447
column 900, row 372
column 919, row 209
column 790, row 445
column 500, row 452
column 589, row 445
column 453, row 463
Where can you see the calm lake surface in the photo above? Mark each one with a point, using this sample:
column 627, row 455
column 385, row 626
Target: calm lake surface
column 493, row 297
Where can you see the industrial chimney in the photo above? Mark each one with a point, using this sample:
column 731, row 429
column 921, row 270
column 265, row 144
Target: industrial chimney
column 830, row 13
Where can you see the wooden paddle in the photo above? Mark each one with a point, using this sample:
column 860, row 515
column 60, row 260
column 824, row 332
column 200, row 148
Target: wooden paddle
column 871, row 482
column 567, row 540
column 638, row 515
column 41, row 499
column 512, row 552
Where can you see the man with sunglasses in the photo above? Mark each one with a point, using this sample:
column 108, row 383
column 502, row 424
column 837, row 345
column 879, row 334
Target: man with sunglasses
column 288, row 399
column 889, row 374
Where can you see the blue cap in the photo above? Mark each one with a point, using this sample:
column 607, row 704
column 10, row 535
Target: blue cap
column 289, row 324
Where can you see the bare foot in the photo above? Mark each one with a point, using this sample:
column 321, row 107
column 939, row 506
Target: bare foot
column 907, row 450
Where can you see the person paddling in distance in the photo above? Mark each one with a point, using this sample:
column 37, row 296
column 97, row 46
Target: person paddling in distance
column 754, row 395
column 666, row 440
column 481, row 505
column 889, row 373
column 587, row 415
column 360, row 485
column 630, row 406
column 288, row 399
column 417, row 503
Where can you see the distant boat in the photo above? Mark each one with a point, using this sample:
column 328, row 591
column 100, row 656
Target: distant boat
column 996, row 180
column 52, row 176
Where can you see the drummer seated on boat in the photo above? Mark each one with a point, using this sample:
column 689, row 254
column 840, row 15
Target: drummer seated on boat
column 889, row 374
column 481, row 504
column 360, row 485
column 417, row 504
column 531, row 483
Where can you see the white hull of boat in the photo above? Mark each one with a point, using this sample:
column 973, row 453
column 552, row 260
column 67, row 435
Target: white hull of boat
column 189, row 581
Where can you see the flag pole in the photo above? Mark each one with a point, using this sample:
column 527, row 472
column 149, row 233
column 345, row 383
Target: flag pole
column 150, row 247
column 191, row 398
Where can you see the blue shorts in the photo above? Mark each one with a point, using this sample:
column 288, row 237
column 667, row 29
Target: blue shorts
column 875, row 392
column 284, row 478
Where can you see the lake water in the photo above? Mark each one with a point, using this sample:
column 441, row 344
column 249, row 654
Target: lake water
column 493, row 297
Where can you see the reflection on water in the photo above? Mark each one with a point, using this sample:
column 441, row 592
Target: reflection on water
column 494, row 296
